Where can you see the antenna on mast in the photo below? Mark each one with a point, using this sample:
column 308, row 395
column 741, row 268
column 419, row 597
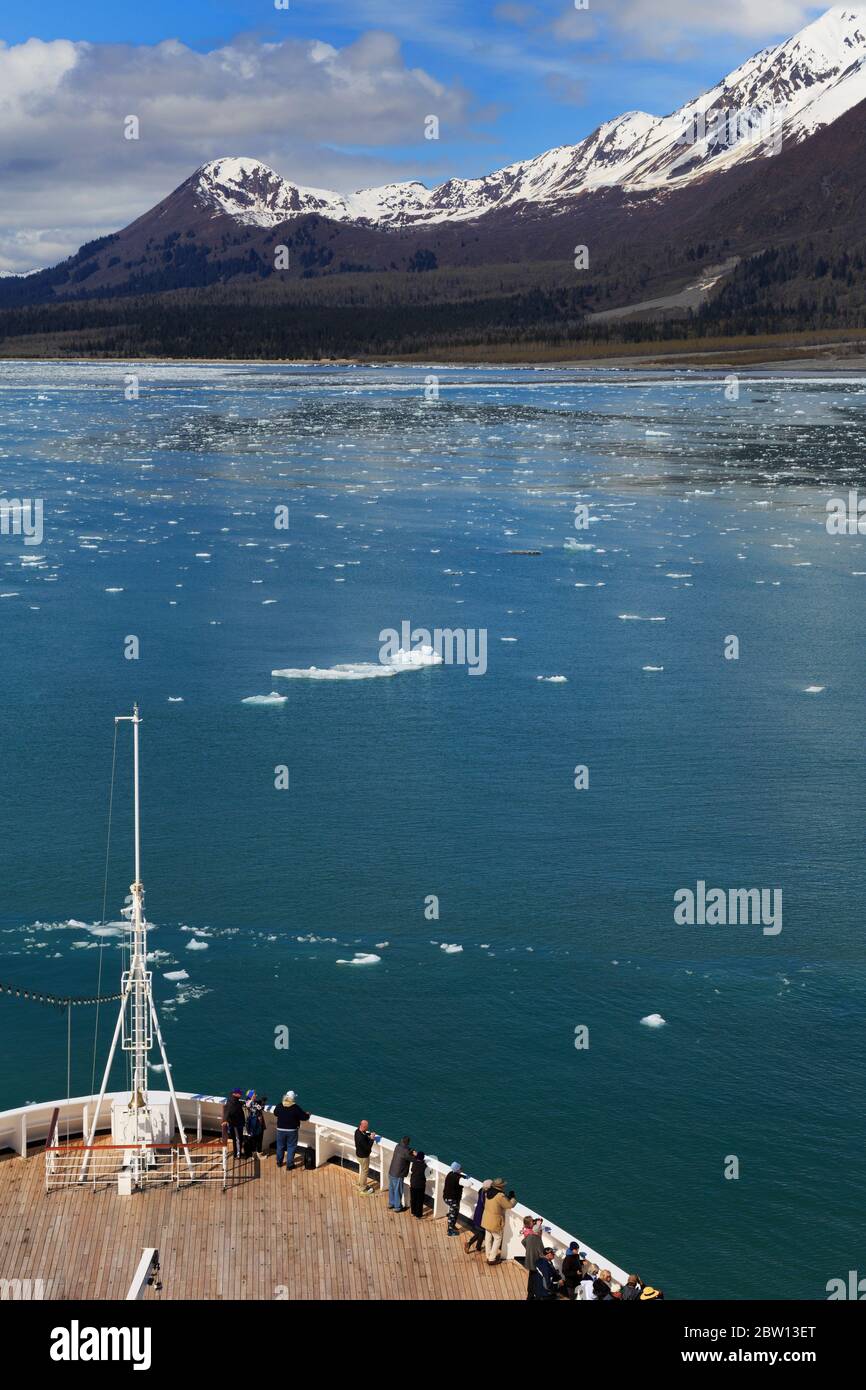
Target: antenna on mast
column 142, row 1122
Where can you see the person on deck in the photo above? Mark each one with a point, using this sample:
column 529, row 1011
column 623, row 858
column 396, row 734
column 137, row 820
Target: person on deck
column 545, row 1278
column 475, row 1243
column 496, row 1209
column 601, row 1287
column 400, row 1164
column 417, row 1182
column 289, row 1117
column 587, row 1283
column 364, row 1141
column 254, row 1129
column 234, row 1120
column 533, row 1246
column 631, row 1289
column 572, row 1270
column 452, row 1192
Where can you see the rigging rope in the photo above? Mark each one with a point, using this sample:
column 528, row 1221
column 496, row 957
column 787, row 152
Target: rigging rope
column 104, row 902
column 19, row 992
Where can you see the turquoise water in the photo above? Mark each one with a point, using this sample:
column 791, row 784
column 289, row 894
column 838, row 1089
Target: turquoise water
column 709, row 514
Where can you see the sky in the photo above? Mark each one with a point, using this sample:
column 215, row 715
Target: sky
column 330, row 93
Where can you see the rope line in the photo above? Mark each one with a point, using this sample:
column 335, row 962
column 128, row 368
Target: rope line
column 19, row 992
column 104, row 902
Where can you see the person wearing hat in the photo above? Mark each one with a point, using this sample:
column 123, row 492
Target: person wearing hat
column 401, row 1162
column 475, row 1243
column 289, row 1117
column 545, row 1277
column 533, row 1245
column 234, row 1119
column 572, row 1270
column 452, row 1193
column 648, row 1293
column 496, row 1209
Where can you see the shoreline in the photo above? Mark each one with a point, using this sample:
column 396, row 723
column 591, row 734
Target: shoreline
column 810, row 358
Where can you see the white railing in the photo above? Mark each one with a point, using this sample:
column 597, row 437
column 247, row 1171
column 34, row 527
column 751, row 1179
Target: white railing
column 145, row 1275
column 202, row 1114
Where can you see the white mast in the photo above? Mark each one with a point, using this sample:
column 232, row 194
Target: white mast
column 139, row 1123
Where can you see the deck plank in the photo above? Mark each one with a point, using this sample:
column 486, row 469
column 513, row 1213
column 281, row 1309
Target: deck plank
column 311, row 1232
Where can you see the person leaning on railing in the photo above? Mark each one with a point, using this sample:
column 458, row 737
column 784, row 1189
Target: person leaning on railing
column 364, row 1141
column 289, row 1117
column 496, row 1209
column 475, row 1243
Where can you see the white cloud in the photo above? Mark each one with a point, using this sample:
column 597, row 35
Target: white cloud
column 312, row 111
column 652, row 24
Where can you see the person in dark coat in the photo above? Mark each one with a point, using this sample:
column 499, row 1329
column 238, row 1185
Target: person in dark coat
column 476, row 1240
column 417, row 1183
column 631, row 1289
column 401, row 1161
column 545, row 1277
column 452, row 1192
column 254, row 1130
column 533, row 1246
column 364, row 1140
column 289, row 1117
column 234, row 1119
column 572, row 1270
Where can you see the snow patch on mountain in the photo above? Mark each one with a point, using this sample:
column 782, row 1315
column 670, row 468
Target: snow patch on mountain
column 782, row 94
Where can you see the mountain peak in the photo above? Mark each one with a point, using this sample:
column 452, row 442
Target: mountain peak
column 785, row 92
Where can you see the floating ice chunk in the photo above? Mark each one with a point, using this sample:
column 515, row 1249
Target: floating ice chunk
column 652, row 668
column 450, row 948
column 273, row 699
column 114, row 591
column 554, row 680
column 175, row 974
column 639, row 618
column 196, row 945
column 416, row 659
column 654, row 1021
column 813, row 689
column 175, row 699
column 361, row 958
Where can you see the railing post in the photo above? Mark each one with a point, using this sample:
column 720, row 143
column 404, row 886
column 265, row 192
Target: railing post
column 198, row 1121
column 22, row 1135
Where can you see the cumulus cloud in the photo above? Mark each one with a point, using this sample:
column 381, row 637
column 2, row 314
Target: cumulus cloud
column 68, row 173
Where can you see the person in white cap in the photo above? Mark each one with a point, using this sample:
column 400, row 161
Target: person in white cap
column 289, row 1117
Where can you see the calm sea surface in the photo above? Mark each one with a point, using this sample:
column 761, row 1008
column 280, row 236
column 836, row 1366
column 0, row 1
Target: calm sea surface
column 707, row 516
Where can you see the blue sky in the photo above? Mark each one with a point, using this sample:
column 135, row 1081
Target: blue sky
column 330, row 92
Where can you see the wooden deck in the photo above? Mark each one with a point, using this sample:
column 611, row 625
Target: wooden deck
column 298, row 1235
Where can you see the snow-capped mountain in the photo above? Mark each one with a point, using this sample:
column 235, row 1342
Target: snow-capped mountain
column 779, row 97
